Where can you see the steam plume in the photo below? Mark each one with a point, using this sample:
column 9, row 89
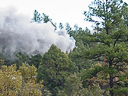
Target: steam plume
column 19, row 35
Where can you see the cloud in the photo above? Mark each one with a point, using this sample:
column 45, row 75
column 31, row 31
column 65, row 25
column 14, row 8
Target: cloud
column 17, row 34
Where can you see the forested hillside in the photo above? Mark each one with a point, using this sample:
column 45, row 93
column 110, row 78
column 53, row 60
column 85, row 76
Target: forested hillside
column 97, row 65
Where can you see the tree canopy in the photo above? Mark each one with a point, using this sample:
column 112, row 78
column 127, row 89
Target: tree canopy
column 111, row 35
column 54, row 69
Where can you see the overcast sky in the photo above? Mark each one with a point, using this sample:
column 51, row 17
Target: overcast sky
column 70, row 11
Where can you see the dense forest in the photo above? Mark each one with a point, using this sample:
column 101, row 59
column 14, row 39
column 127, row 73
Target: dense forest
column 97, row 66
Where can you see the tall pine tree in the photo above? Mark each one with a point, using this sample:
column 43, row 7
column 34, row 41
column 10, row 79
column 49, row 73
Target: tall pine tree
column 111, row 34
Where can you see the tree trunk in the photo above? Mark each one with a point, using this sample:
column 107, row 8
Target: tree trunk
column 111, row 79
column 111, row 86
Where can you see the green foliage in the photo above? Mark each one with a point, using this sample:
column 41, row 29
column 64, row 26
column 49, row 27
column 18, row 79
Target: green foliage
column 54, row 69
column 68, row 28
column 28, row 72
column 111, row 32
column 10, row 81
column 95, row 90
column 46, row 92
column 107, row 44
column 5, row 57
column 31, row 60
column 76, row 27
column 35, row 60
column 121, row 91
column 81, row 63
column 19, row 82
column 92, row 72
column 73, row 87
column 61, row 26
column 21, row 58
column 37, row 17
column 45, row 18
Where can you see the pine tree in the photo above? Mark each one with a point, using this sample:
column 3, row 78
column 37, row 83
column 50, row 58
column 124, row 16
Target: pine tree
column 54, row 69
column 111, row 35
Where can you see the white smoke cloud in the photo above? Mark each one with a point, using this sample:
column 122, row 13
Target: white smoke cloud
column 19, row 35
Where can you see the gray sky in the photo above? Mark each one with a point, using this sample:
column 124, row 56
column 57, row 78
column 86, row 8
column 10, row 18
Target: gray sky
column 70, row 11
